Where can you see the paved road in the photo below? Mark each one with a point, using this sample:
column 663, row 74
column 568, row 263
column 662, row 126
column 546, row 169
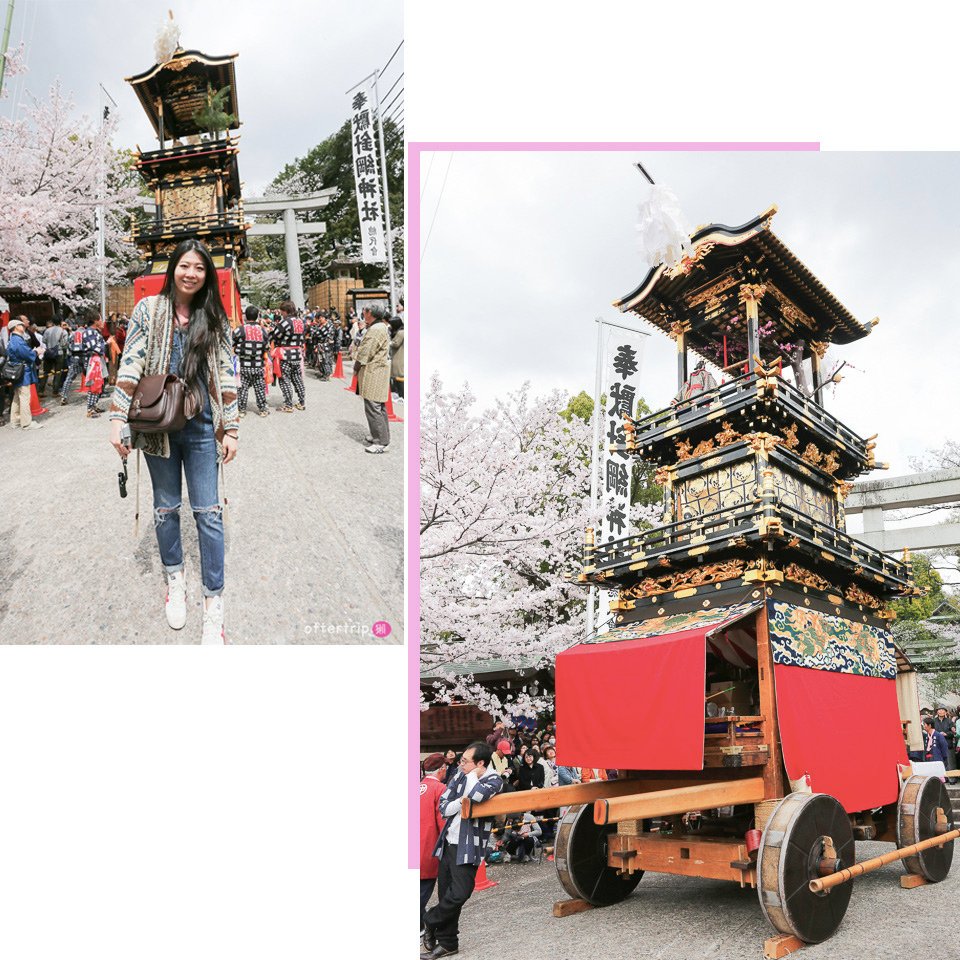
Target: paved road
column 315, row 540
column 680, row 918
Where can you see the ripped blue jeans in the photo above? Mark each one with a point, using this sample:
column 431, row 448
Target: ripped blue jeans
column 193, row 453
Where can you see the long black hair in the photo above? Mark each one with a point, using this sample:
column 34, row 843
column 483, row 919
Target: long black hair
column 208, row 319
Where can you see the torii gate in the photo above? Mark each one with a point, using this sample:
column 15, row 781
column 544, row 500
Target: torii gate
column 872, row 497
column 291, row 228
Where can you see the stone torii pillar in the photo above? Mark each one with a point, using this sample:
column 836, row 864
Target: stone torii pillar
column 291, row 228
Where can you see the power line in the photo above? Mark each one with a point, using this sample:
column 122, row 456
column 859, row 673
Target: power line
column 397, row 109
column 395, row 82
column 426, row 179
column 392, row 55
column 423, row 252
column 399, row 93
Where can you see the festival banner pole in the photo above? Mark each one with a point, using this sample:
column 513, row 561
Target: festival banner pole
column 598, row 378
column 614, row 477
column 386, row 191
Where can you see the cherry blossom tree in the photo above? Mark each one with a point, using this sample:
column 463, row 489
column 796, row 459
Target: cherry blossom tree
column 55, row 171
column 504, row 499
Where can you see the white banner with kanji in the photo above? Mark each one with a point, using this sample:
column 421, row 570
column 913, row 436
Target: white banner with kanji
column 369, row 199
column 622, row 356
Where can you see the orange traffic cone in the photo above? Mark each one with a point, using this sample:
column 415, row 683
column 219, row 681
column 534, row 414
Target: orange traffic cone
column 353, row 385
column 35, row 408
column 483, row 883
column 391, row 416
column 338, row 370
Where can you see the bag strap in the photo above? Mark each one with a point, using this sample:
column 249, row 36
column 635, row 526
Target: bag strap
column 223, row 482
column 136, row 517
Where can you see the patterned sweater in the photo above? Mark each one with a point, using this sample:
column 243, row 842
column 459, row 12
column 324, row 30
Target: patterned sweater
column 147, row 353
column 475, row 833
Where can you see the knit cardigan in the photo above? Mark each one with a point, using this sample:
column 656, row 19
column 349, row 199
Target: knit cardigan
column 147, row 353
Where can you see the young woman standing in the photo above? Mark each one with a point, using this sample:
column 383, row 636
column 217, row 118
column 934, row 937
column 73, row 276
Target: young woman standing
column 184, row 331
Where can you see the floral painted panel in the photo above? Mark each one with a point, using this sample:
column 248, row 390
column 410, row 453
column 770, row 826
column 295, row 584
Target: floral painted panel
column 677, row 623
column 728, row 487
column 809, row 638
column 805, row 497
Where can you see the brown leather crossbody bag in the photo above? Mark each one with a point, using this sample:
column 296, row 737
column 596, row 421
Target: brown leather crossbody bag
column 158, row 405
column 161, row 403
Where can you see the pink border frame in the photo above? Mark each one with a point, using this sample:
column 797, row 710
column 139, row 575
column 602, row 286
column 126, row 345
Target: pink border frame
column 414, row 150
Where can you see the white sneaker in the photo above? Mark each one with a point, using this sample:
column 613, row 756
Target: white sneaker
column 33, row 425
column 213, row 634
column 176, row 600
column 375, row 448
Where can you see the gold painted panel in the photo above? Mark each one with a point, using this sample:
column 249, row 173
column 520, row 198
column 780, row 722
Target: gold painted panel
column 196, row 201
column 729, row 486
column 804, row 497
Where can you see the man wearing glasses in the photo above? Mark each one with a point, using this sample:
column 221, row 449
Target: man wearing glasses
column 461, row 847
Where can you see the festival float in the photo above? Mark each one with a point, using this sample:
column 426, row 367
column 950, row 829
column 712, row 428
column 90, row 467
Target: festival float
column 191, row 101
column 750, row 639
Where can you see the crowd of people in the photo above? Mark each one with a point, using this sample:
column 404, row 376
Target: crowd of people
column 271, row 346
column 941, row 737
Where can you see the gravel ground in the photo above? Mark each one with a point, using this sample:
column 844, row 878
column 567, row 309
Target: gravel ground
column 679, row 918
column 315, row 540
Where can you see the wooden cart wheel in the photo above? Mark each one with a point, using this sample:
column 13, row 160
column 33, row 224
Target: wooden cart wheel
column 581, row 859
column 920, row 799
column 807, row 835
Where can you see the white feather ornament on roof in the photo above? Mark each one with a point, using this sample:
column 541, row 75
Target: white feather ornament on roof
column 167, row 41
column 664, row 234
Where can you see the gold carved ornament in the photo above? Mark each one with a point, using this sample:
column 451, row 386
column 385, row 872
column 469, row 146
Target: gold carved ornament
column 678, row 328
column 694, row 577
column 812, row 455
column 856, row 595
column 712, row 292
column 727, row 435
column 831, row 463
column 820, row 349
column 806, row 577
column 790, row 311
column 761, row 442
column 790, row 440
column 705, row 446
column 752, row 292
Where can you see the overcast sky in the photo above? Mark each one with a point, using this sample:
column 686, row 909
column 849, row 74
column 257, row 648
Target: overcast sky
column 297, row 60
column 526, row 249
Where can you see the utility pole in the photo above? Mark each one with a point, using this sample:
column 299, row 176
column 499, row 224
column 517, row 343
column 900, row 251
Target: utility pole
column 101, row 226
column 5, row 43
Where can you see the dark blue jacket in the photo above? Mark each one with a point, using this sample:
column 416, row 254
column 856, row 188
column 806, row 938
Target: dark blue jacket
column 937, row 749
column 19, row 352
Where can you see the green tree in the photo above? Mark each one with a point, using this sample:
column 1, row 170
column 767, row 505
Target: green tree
column 930, row 583
column 644, row 490
column 212, row 117
column 330, row 164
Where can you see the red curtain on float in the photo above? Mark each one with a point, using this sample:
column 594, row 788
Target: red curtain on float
column 844, row 731
column 633, row 704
